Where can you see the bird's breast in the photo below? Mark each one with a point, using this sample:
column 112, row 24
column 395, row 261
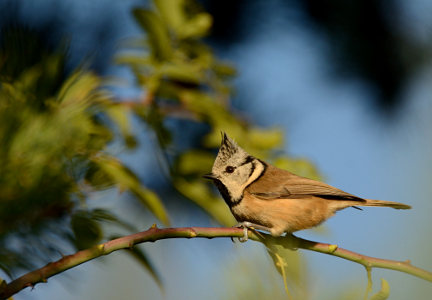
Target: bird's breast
column 282, row 215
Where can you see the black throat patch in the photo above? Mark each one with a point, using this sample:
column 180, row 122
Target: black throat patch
column 226, row 194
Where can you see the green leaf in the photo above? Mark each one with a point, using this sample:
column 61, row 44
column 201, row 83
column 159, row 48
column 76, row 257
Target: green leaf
column 265, row 138
column 127, row 181
column 300, row 166
column 290, row 266
column 157, row 33
column 105, row 215
column 142, row 258
column 154, row 118
column 196, row 27
column 199, row 192
column 384, row 293
column 7, row 258
column 152, row 201
column 187, row 73
column 172, row 12
column 184, row 25
column 224, row 69
column 286, row 260
column 97, row 177
column 137, row 61
column 77, row 89
column 87, row 232
column 120, row 115
column 121, row 175
column 195, row 162
column 212, row 111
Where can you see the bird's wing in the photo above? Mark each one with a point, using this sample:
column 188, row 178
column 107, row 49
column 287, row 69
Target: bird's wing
column 280, row 184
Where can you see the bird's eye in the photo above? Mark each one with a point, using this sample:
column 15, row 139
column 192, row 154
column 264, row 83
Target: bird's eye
column 229, row 169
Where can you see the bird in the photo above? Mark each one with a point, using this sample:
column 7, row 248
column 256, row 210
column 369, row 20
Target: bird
column 264, row 197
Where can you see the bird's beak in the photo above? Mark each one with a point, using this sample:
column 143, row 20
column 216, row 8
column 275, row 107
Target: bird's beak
column 210, row 176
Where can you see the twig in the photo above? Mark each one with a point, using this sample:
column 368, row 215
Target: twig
column 153, row 234
column 369, row 283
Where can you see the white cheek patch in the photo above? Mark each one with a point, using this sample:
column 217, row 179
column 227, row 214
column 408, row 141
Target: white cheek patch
column 259, row 168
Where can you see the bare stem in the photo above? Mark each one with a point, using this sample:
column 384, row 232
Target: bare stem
column 153, row 234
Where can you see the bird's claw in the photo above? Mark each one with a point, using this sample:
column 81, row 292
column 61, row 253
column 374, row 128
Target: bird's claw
column 245, row 237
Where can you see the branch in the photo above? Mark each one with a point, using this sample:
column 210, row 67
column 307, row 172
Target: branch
column 153, row 234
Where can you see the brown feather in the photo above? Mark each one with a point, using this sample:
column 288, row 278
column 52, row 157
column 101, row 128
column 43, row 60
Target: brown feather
column 395, row 205
column 291, row 186
column 284, row 215
column 285, row 202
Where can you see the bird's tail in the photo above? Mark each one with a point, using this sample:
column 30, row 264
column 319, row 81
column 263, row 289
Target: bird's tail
column 396, row 205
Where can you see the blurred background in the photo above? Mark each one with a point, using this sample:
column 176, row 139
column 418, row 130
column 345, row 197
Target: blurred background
column 335, row 90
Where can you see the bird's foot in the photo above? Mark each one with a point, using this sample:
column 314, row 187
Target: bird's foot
column 244, row 238
column 248, row 225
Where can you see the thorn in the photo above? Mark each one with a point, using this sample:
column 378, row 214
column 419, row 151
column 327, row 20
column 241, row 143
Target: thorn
column 154, row 226
column 192, row 233
column 61, row 253
column 30, row 285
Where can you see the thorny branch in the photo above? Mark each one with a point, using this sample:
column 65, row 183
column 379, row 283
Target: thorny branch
column 154, row 234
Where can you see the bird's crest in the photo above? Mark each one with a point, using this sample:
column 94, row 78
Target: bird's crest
column 227, row 149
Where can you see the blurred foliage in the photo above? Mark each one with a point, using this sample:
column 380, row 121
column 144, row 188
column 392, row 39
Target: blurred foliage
column 54, row 133
column 55, row 129
column 252, row 281
column 384, row 293
column 183, row 79
column 140, row 255
column 253, row 277
column 292, row 269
